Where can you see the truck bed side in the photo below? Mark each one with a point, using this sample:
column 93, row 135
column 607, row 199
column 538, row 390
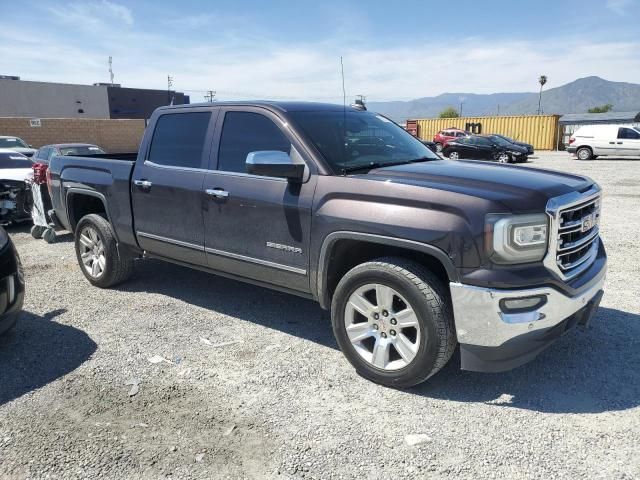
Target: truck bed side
column 81, row 185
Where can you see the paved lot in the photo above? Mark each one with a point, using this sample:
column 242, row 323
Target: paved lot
column 283, row 400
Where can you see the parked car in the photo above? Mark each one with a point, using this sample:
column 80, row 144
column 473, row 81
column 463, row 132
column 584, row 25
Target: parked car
column 591, row 141
column 44, row 153
column 17, row 145
column 480, row 147
column 430, row 145
column 412, row 253
column 11, row 283
column 445, row 136
column 15, row 196
column 528, row 146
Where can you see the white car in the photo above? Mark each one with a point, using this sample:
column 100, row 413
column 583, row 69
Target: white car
column 17, row 145
column 15, row 196
column 591, row 141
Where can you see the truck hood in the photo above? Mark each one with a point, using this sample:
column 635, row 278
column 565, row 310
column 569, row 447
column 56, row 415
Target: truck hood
column 519, row 189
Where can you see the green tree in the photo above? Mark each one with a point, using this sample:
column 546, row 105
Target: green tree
column 449, row 112
column 601, row 109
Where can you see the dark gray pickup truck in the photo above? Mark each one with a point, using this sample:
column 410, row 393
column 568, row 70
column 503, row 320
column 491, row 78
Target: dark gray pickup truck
column 412, row 253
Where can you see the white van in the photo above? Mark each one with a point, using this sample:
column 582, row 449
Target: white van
column 592, row 141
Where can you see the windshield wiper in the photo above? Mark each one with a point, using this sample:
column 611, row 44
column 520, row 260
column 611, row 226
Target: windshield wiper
column 373, row 165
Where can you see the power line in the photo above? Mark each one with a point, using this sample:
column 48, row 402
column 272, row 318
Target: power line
column 211, row 94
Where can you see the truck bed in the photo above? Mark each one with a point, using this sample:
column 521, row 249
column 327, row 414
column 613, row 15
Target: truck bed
column 105, row 176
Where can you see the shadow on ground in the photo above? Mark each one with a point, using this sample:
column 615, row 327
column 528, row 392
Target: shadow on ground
column 587, row 371
column 37, row 352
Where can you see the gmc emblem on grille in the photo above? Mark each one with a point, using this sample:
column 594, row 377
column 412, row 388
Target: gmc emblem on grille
column 588, row 222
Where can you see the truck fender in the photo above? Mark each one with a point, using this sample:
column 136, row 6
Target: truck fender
column 331, row 239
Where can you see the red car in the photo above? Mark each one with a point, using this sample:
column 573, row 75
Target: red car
column 443, row 136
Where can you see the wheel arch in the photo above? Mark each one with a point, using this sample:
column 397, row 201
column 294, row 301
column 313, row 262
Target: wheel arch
column 82, row 202
column 342, row 251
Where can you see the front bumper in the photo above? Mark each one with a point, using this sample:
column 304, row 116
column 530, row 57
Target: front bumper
column 493, row 341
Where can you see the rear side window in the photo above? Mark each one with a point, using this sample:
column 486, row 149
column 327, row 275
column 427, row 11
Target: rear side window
column 246, row 132
column 628, row 133
column 178, row 140
column 14, row 160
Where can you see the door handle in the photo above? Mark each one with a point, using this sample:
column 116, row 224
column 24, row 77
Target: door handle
column 619, row 143
column 217, row 192
column 142, row 183
column 611, row 143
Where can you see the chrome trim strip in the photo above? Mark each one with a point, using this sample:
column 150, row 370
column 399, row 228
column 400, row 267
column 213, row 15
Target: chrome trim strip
column 570, row 247
column 257, row 261
column 222, row 253
column 174, row 167
column 180, row 243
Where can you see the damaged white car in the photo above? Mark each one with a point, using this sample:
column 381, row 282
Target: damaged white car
column 15, row 192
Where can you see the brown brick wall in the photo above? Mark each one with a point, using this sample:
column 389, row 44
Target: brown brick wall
column 114, row 136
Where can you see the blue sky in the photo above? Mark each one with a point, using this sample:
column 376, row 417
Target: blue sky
column 291, row 49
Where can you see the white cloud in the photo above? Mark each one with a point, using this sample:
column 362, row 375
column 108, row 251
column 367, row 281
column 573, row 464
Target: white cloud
column 619, row 7
column 88, row 14
column 244, row 63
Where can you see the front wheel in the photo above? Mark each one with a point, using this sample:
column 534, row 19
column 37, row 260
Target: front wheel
column 503, row 158
column 97, row 252
column 392, row 320
column 438, row 147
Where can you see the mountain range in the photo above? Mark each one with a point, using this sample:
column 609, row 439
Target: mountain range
column 574, row 97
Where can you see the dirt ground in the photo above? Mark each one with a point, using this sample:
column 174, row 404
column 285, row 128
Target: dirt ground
column 249, row 383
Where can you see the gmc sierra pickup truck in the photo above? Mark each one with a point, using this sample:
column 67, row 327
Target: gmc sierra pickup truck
column 413, row 254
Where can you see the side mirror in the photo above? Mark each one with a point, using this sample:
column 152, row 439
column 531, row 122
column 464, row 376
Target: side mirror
column 273, row 163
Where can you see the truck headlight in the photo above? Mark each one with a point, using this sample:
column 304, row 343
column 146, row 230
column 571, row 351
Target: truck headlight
column 517, row 238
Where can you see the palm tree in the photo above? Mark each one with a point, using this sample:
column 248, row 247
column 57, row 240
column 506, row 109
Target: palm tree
column 542, row 80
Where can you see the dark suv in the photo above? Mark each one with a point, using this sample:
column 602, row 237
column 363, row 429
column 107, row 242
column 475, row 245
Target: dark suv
column 412, row 253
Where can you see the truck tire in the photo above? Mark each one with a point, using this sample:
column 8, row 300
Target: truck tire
column 393, row 321
column 97, row 252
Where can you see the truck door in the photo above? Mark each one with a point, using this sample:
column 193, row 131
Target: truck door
column 628, row 142
column 256, row 226
column 167, row 183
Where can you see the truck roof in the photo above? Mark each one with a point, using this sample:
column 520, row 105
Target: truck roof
column 283, row 106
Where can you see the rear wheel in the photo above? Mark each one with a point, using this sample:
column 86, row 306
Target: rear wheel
column 454, row 155
column 393, row 322
column 584, row 153
column 97, row 252
column 438, row 147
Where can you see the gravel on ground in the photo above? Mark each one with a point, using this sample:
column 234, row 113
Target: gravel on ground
column 182, row 374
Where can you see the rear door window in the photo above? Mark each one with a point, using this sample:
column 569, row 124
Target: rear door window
column 179, row 139
column 246, row 132
column 628, row 133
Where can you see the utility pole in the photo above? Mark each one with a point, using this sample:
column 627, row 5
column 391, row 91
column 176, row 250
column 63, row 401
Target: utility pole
column 498, row 110
column 169, row 85
column 542, row 80
column 462, row 99
column 111, row 70
column 210, row 96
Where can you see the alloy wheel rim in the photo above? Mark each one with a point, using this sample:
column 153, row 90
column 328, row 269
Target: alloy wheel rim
column 583, row 155
column 503, row 158
column 92, row 252
column 382, row 327
column 453, row 155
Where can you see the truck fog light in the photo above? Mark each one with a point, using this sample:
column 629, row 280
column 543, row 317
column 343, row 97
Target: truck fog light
column 523, row 304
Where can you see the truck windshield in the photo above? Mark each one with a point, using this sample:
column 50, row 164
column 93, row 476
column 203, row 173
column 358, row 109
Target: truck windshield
column 359, row 140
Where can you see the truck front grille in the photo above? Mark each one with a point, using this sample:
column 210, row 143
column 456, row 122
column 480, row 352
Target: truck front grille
column 578, row 235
